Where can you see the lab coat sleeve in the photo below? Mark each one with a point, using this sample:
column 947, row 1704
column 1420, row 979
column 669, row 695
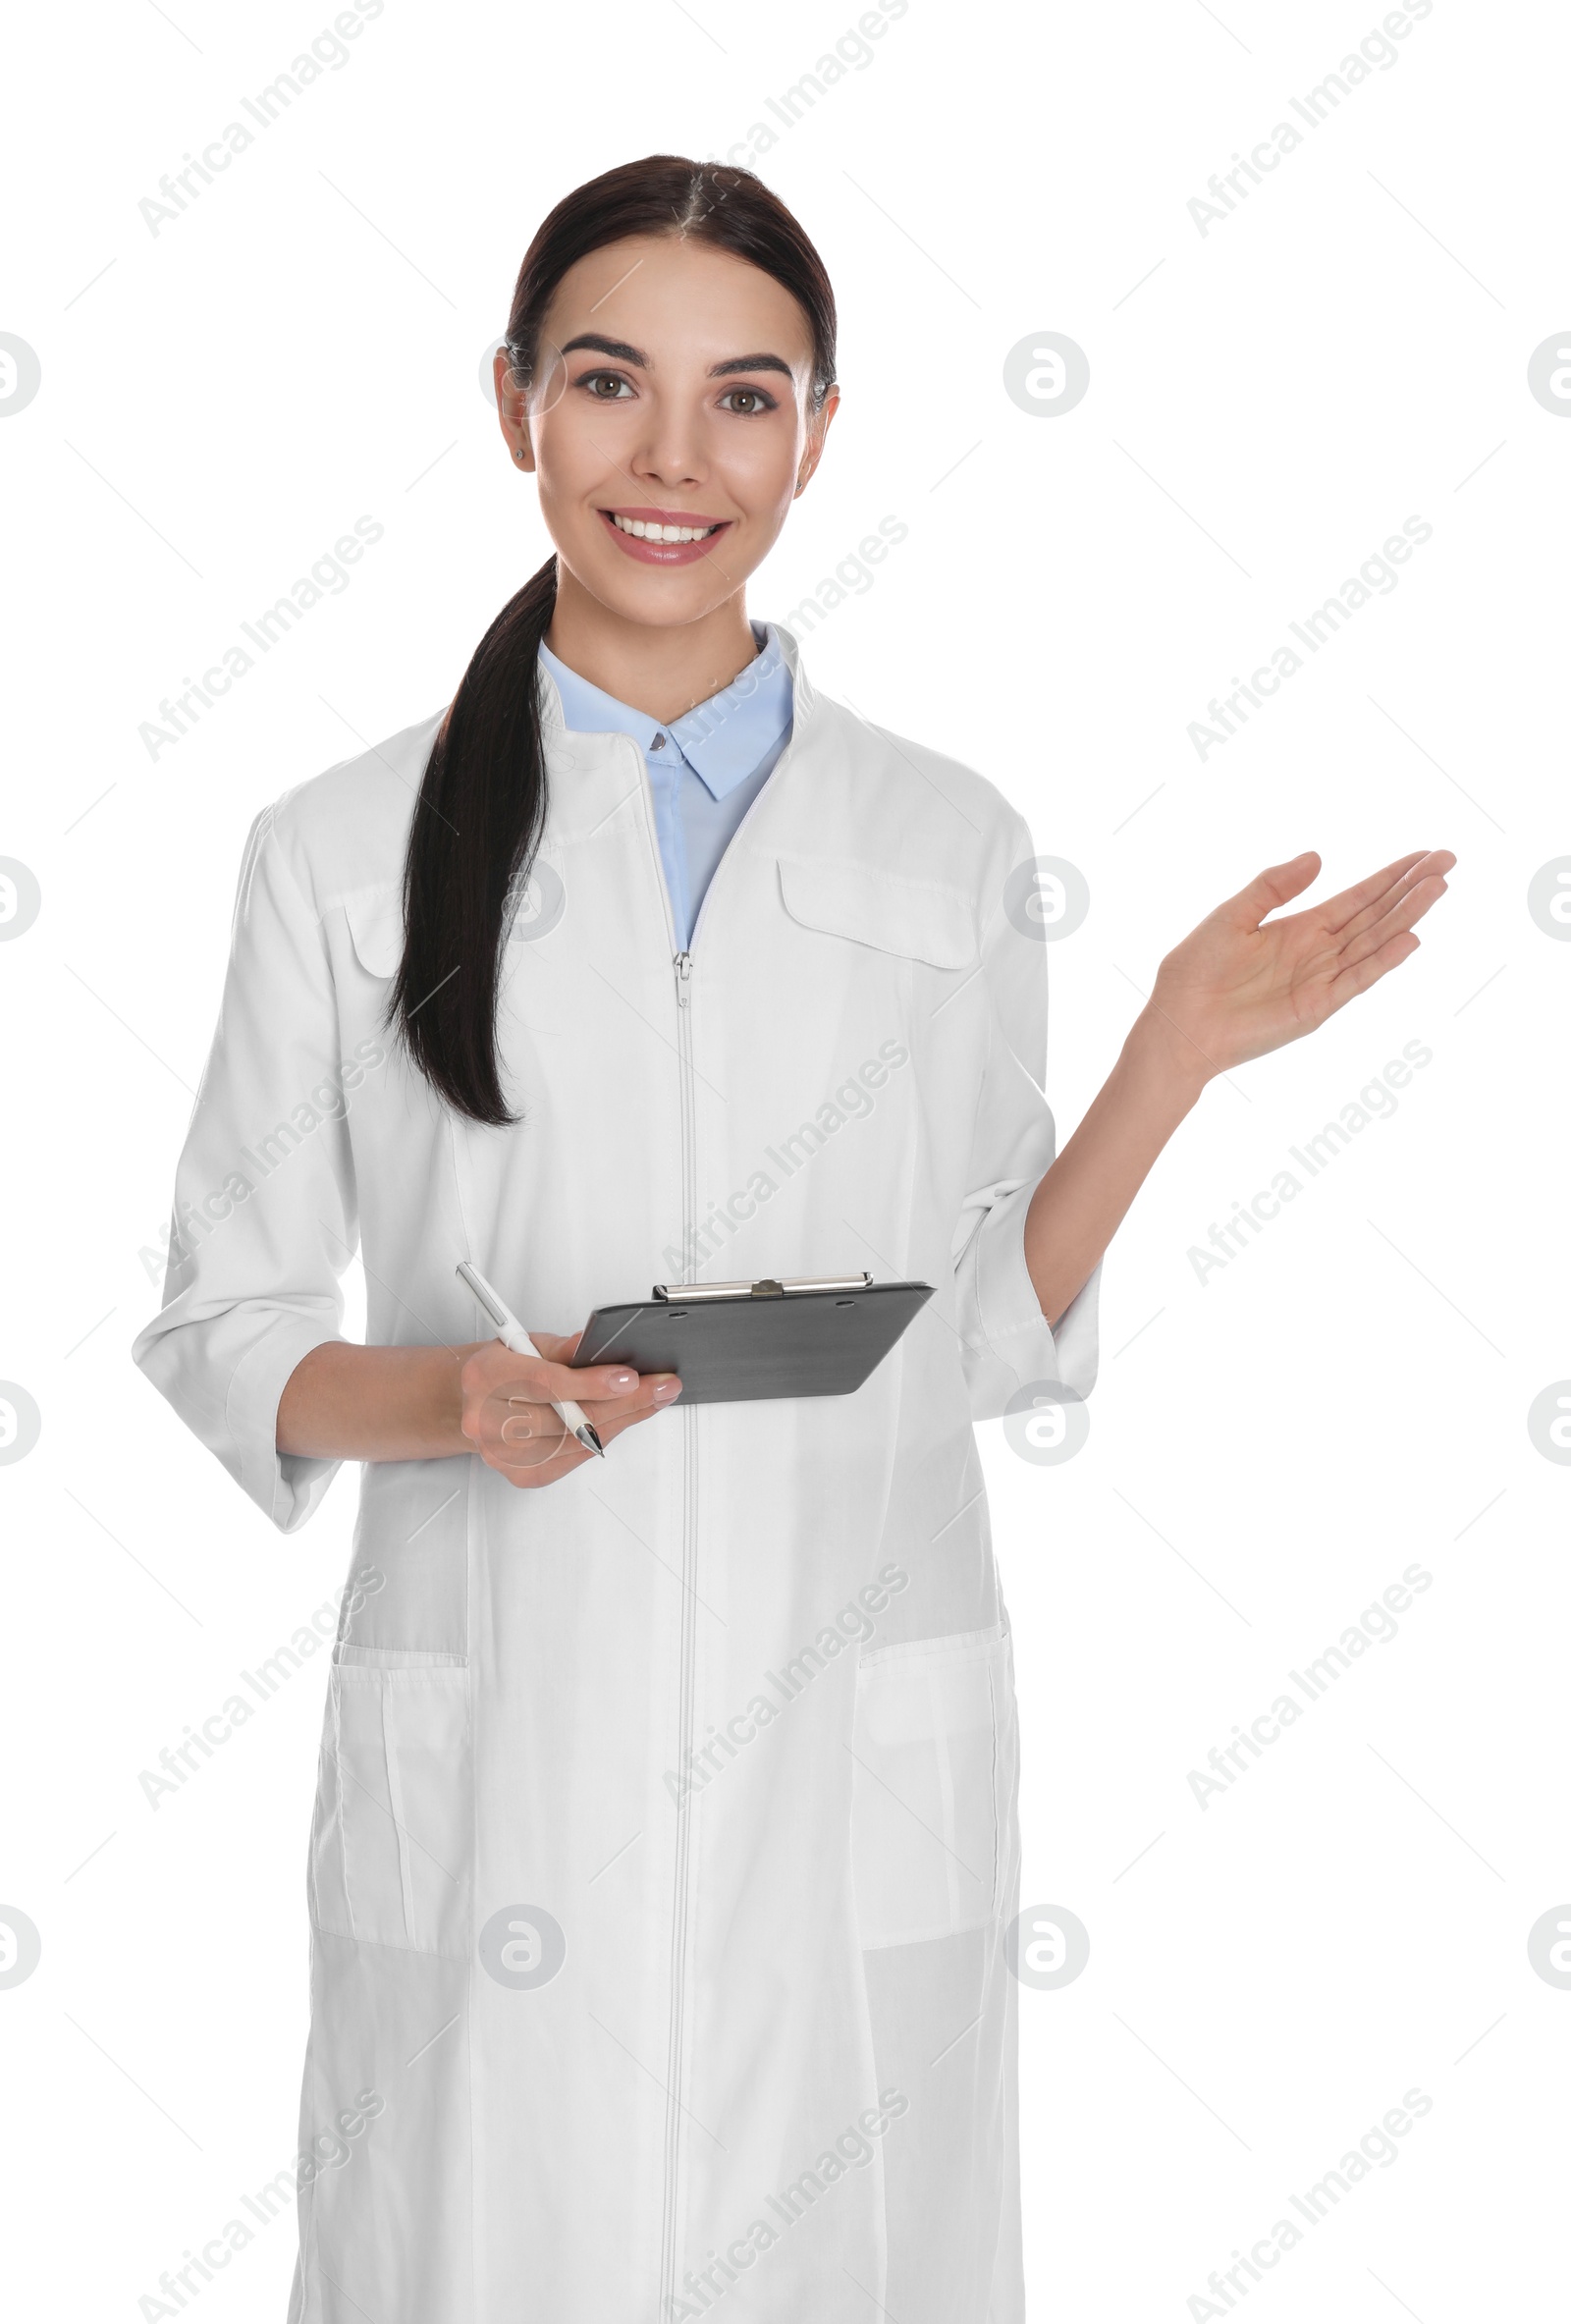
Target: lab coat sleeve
column 265, row 1217
column 1006, row 1342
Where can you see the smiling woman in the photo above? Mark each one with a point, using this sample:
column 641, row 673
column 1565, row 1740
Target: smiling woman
column 668, row 322
column 695, row 976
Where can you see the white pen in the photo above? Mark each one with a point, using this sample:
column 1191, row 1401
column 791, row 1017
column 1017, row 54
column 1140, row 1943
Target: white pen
column 513, row 1335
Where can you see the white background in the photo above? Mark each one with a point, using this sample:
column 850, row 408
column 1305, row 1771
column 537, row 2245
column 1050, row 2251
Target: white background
column 1269, row 1449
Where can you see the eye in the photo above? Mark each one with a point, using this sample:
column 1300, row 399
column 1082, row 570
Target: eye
column 604, row 387
column 747, row 401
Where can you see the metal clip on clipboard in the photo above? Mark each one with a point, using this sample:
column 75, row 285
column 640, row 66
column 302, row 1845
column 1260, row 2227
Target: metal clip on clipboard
column 767, row 1288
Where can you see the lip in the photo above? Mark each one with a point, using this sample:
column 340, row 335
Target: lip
column 664, row 552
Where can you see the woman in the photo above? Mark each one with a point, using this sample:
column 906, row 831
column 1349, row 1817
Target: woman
column 665, row 1840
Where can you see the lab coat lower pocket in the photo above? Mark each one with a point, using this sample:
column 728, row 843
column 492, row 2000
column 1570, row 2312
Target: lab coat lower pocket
column 392, row 1836
column 931, row 1791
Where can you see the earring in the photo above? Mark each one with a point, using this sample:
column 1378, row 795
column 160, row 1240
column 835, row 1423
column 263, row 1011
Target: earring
column 517, row 451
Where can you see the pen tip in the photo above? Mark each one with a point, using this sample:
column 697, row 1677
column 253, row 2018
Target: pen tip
column 589, row 1435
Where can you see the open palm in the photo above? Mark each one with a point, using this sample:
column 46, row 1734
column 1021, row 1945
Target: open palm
column 1241, row 984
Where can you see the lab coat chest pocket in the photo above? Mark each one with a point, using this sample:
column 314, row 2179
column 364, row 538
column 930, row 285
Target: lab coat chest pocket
column 391, row 1837
column 913, row 919
column 933, row 1786
column 375, row 917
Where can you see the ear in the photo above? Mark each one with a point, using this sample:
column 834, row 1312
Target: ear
column 512, row 411
column 817, row 431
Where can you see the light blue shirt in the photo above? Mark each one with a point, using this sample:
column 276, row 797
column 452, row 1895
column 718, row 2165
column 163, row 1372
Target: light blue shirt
column 705, row 769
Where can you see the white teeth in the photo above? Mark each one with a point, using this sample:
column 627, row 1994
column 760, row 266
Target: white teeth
column 663, row 532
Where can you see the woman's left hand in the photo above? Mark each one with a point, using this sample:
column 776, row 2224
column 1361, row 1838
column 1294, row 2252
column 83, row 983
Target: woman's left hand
column 1241, row 984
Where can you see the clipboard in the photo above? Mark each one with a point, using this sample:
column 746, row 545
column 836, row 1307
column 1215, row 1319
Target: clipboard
column 804, row 1335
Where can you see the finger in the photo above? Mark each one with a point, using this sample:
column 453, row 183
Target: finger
column 1277, row 884
column 527, row 1436
column 1410, row 905
column 522, row 1420
column 1344, row 907
column 543, row 1380
column 1370, row 897
column 530, row 1444
column 1357, row 979
column 657, row 1391
column 529, row 1474
column 496, row 1371
column 523, row 1424
column 596, row 1383
column 1378, row 919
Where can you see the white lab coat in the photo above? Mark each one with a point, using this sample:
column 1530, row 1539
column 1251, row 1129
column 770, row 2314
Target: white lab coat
column 733, row 1709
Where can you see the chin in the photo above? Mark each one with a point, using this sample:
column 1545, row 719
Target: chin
column 660, row 601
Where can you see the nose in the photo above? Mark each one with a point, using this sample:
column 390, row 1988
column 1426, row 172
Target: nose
column 670, row 456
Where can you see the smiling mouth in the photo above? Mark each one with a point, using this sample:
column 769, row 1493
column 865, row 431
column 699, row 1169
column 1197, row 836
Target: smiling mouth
column 650, row 525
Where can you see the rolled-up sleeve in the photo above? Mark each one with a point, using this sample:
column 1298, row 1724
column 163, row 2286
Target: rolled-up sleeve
column 1008, row 1343
column 265, row 1215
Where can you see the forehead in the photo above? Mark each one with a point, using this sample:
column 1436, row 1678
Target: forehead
column 682, row 302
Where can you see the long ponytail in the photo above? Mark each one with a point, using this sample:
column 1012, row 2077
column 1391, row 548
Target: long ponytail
column 477, row 823
column 482, row 804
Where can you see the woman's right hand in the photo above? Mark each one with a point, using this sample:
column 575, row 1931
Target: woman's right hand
column 507, row 1406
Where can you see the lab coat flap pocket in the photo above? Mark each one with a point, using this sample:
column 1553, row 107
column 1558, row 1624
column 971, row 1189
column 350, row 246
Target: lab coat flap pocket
column 376, row 927
column 921, row 919
column 930, row 1786
column 391, row 1837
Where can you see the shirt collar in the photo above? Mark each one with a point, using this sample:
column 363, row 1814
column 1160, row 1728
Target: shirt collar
column 724, row 739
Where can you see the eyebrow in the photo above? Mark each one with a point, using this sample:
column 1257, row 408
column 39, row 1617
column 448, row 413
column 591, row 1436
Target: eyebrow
column 621, row 351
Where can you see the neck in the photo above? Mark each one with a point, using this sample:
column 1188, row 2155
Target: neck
column 661, row 672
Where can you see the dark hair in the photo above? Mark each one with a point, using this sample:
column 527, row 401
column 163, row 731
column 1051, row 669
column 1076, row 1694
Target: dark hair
column 482, row 805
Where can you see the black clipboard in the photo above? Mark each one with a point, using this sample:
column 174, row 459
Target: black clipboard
column 819, row 1335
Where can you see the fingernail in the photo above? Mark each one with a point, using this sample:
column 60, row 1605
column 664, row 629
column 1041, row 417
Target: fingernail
column 666, row 1390
column 622, row 1381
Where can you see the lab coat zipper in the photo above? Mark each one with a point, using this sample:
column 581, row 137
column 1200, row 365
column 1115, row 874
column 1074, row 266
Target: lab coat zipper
column 683, row 966
column 683, row 969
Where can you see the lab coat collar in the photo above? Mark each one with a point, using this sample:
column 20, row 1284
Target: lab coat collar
column 725, row 740
column 591, row 774
column 722, row 739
